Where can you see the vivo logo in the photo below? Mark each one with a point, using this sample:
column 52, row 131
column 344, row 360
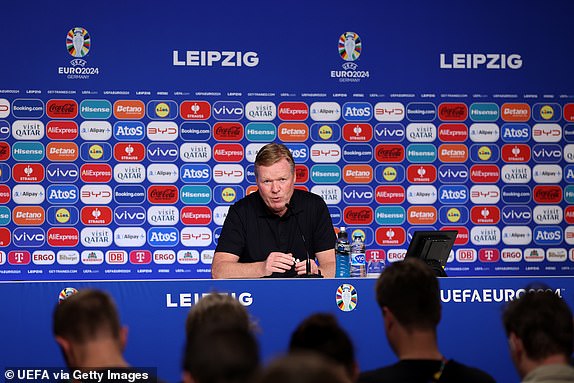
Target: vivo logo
column 129, row 215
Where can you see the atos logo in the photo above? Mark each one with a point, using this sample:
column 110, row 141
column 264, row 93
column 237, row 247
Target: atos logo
column 516, row 215
column 129, row 215
column 515, row 153
column 357, row 132
column 546, row 112
column 196, row 215
column 390, row 132
column 162, row 110
column 358, row 215
column 569, row 173
column 387, row 173
column 390, row 236
column 195, row 110
column 196, row 236
column 421, row 153
column 60, row 130
column 227, row 194
column 484, row 112
column 129, row 131
column 62, row 173
column 228, row 110
column 32, row 173
column 421, row 174
column 228, row 131
column 455, row 111
column 357, row 111
column 128, row 194
column 453, row 215
column 228, row 174
column 31, row 108
column 453, row 174
column 96, row 215
column 489, row 255
column 195, row 131
column 62, row 194
column 515, row 133
column 228, row 153
column 357, row 153
column 548, row 235
column 63, row 237
column 421, row 111
column 326, row 174
column 484, row 153
column 140, row 257
column 96, row 152
column 516, row 194
column 195, row 173
column 547, row 194
column 389, row 111
column 130, row 152
column 162, row 236
column 19, row 257
column 260, row 132
column 547, row 153
column 453, row 194
column 62, row 215
column 28, row 237
column 453, row 132
column 485, row 215
column 358, row 194
column 162, row 131
column 390, row 194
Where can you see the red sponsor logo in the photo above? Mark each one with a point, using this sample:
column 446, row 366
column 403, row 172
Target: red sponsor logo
column 195, row 110
column 62, row 151
column 421, row 174
column 375, row 255
column 485, row 215
column 252, row 189
column 164, row 194
column 515, row 153
column 390, row 153
column 462, row 236
column 293, row 111
column 453, row 132
column 357, row 132
column 19, row 257
column 484, row 174
column 293, row 132
column 547, row 194
column 96, row 173
column 129, row 152
column 489, row 255
column 129, row 109
column 228, row 131
column 28, row 173
column 5, row 194
column 62, row 130
column 4, row 151
column 422, row 215
column 62, row 109
column 302, row 187
column 301, row 174
column 96, row 215
column 390, row 195
column 358, row 215
column 357, row 174
column 453, row 153
column 140, row 257
column 5, row 237
column 390, row 236
column 569, row 112
column 452, row 111
column 569, row 215
column 63, row 236
column 28, row 215
column 515, row 112
column 117, row 257
column 196, row 215
column 228, row 152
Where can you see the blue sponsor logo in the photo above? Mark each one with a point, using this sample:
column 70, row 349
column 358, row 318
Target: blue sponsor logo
column 4, row 129
column 162, row 110
column 518, row 194
column 228, row 110
column 325, row 132
column 453, row 215
column 27, row 108
column 62, row 215
column 5, row 216
column 95, row 109
column 411, row 231
column 453, row 174
column 547, row 235
column 195, row 131
column 216, row 235
column 130, row 194
column 390, row 215
column 227, row 194
column 389, row 174
column 366, row 232
column 130, row 215
column 484, row 153
column 195, row 194
column 358, row 194
column 421, row 111
column 546, row 112
column 357, row 153
column 568, row 132
column 547, row 153
column 569, row 194
column 162, row 152
column 336, row 214
column 457, row 194
column 28, row 151
column 29, row 236
column 569, row 173
column 357, row 111
column 195, row 173
column 250, row 173
column 421, row 153
column 5, row 172
column 129, row 131
column 515, row 133
column 516, row 215
column 162, row 236
column 484, row 112
column 96, row 152
column 62, row 194
column 390, row 132
column 325, row 174
column 300, row 152
column 62, row 173
column 260, row 132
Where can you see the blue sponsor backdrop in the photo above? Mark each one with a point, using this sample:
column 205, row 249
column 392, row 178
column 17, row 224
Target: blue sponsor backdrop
column 427, row 120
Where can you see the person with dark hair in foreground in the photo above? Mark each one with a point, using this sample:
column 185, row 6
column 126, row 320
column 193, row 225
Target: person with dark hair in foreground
column 409, row 297
column 540, row 331
column 322, row 334
column 303, row 368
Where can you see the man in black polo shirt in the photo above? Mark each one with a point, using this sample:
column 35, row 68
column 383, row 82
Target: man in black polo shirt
column 270, row 231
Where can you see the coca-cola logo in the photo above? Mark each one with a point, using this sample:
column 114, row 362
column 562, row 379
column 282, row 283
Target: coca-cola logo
column 547, row 194
column 358, row 215
column 62, row 109
column 228, row 131
column 392, row 153
column 162, row 194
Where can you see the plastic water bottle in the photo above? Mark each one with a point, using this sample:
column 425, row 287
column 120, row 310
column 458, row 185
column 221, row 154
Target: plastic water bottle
column 358, row 264
column 342, row 250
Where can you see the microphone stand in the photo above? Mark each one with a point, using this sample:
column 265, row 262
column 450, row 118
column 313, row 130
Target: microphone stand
column 308, row 273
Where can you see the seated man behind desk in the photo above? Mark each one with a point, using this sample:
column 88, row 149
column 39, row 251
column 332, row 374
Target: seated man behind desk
column 263, row 233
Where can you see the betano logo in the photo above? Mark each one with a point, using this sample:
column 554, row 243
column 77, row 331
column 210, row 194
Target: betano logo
column 422, row 215
column 28, row 215
column 457, row 153
column 357, row 174
column 515, row 112
column 293, row 132
column 129, row 109
column 62, row 151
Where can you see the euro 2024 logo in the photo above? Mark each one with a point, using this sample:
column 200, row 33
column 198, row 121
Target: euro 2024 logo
column 78, row 45
column 350, row 48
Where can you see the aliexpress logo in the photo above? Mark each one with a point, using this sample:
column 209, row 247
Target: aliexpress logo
column 462, row 236
column 390, row 194
column 358, row 215
column 453, row 153
column 515, row 112
column 63, row 236
column 196, row 215
column 5, row 194
column 455, row 111
column 228, row 152
column 357, row 132
column 357, row 174
column 453, row 132
column 293, row 111
column 293, row 132
column 569, row 112
column 62, row 151
column 96, row 173
column 62, row 130
column 421, row 215
column 28, row 215
column 129, row 109
column 484, row 174
column 569, row 214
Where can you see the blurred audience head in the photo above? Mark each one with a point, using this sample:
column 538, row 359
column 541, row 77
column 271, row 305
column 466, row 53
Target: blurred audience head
column 302, row 367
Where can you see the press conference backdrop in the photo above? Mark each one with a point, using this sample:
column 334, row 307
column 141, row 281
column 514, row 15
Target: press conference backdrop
column 128, row 129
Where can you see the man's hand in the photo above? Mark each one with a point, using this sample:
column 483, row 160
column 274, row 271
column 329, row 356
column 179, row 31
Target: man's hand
column 278, row 262
column 301, row 267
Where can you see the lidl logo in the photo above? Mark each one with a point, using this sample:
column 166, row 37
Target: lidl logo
column 389, row 173
column 227, row 194
column 162, row 110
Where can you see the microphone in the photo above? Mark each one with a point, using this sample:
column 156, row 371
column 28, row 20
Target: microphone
column 308, row 273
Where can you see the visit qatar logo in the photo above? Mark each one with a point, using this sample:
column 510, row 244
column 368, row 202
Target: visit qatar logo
column 350, row 48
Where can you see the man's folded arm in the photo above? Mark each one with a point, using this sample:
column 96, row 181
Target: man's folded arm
column 226, row 265
column 326, row 262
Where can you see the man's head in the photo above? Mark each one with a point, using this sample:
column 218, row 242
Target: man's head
column 539, row 327
column 275, row 176
column 303, row 368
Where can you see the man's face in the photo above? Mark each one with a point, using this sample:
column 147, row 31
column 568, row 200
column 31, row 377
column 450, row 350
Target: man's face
column 276, row 184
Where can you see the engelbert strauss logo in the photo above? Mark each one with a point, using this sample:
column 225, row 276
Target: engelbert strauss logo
column 350, row 48
column 78, row 45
